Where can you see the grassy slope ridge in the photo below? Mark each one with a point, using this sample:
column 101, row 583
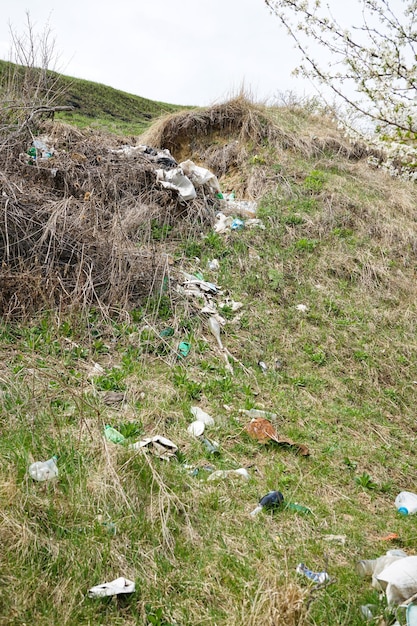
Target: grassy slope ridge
column 339, row 238
column 102, row 106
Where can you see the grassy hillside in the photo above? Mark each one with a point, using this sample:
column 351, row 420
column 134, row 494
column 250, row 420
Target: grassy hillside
column 340, row 371
column 103, row 107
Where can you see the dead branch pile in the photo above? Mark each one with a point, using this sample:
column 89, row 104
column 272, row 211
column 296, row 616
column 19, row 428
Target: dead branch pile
column 76, row 227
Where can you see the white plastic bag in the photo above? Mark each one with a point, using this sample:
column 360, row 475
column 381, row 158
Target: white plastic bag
column 399, row 580
column 175, row 179
column 200, row 176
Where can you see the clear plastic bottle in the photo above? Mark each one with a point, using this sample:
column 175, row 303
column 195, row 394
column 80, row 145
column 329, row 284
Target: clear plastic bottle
column 44, row 470
column 406, row 503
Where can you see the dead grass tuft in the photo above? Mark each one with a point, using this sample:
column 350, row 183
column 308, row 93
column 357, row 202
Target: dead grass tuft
column 276, row 604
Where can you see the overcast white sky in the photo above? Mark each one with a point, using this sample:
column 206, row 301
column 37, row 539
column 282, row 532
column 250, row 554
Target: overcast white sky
column 181, row 52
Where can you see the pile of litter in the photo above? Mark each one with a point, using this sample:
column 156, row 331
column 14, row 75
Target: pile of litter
column 79, row 209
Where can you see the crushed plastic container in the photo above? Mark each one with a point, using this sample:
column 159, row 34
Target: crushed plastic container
column 318, row 577
column 406, row 503
column 44, row 470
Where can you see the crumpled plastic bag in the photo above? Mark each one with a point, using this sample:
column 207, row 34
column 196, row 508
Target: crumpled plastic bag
column 176, row 179
column 159, row 446
column 399, row 580
column 113, row 588
column 200, row 176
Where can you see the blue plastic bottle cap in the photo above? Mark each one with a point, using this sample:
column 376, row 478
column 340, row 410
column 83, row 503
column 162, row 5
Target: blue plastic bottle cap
column 403, row 510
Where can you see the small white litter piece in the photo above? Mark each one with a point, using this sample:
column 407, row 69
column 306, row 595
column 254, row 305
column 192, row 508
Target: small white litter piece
column 113, row 588
column 302, row 307
column 202, row 416
column 159, row 446
column 220, row 474
column 196, row 428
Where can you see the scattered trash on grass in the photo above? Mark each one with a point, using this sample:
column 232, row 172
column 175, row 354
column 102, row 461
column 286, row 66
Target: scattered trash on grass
column 113, row 588
column 200, row 176
column 159, row 446
column 223, row 223
column 166, row 332
column 231, row 305
column 298, row 508
column 263, row 431
column 213, row 265
column 272, row 500
column 237, row 224
column 258, row 413
column 220, row 474
column 183, row 349
column 406, row 503
column 395, row 573
column 175, row 179
column 369, row 611
column 211, row 446
column 215, row 330
column 202, row 416
column 113, row 435
column 242, row 208
column 389, row 537
column 44, row 470
column 302, row 307
column 196, row 428
column 263, row 366
column 399, row 580
column 317, row 577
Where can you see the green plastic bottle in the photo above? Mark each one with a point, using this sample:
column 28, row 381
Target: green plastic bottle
column 298, row 508
column 111, row 434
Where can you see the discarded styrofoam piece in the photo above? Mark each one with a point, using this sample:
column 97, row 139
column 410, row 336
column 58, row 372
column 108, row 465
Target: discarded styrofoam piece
column 202, row 416
column 302, row 307
column 200, row 176
column 113, row 588
column 196, row 428
column 220, row 474
column 175, row 179
column 399, row 580
column 159, row 446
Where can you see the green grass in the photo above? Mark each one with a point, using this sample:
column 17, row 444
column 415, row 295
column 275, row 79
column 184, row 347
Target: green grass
column 102, row 107
column 344, row 386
